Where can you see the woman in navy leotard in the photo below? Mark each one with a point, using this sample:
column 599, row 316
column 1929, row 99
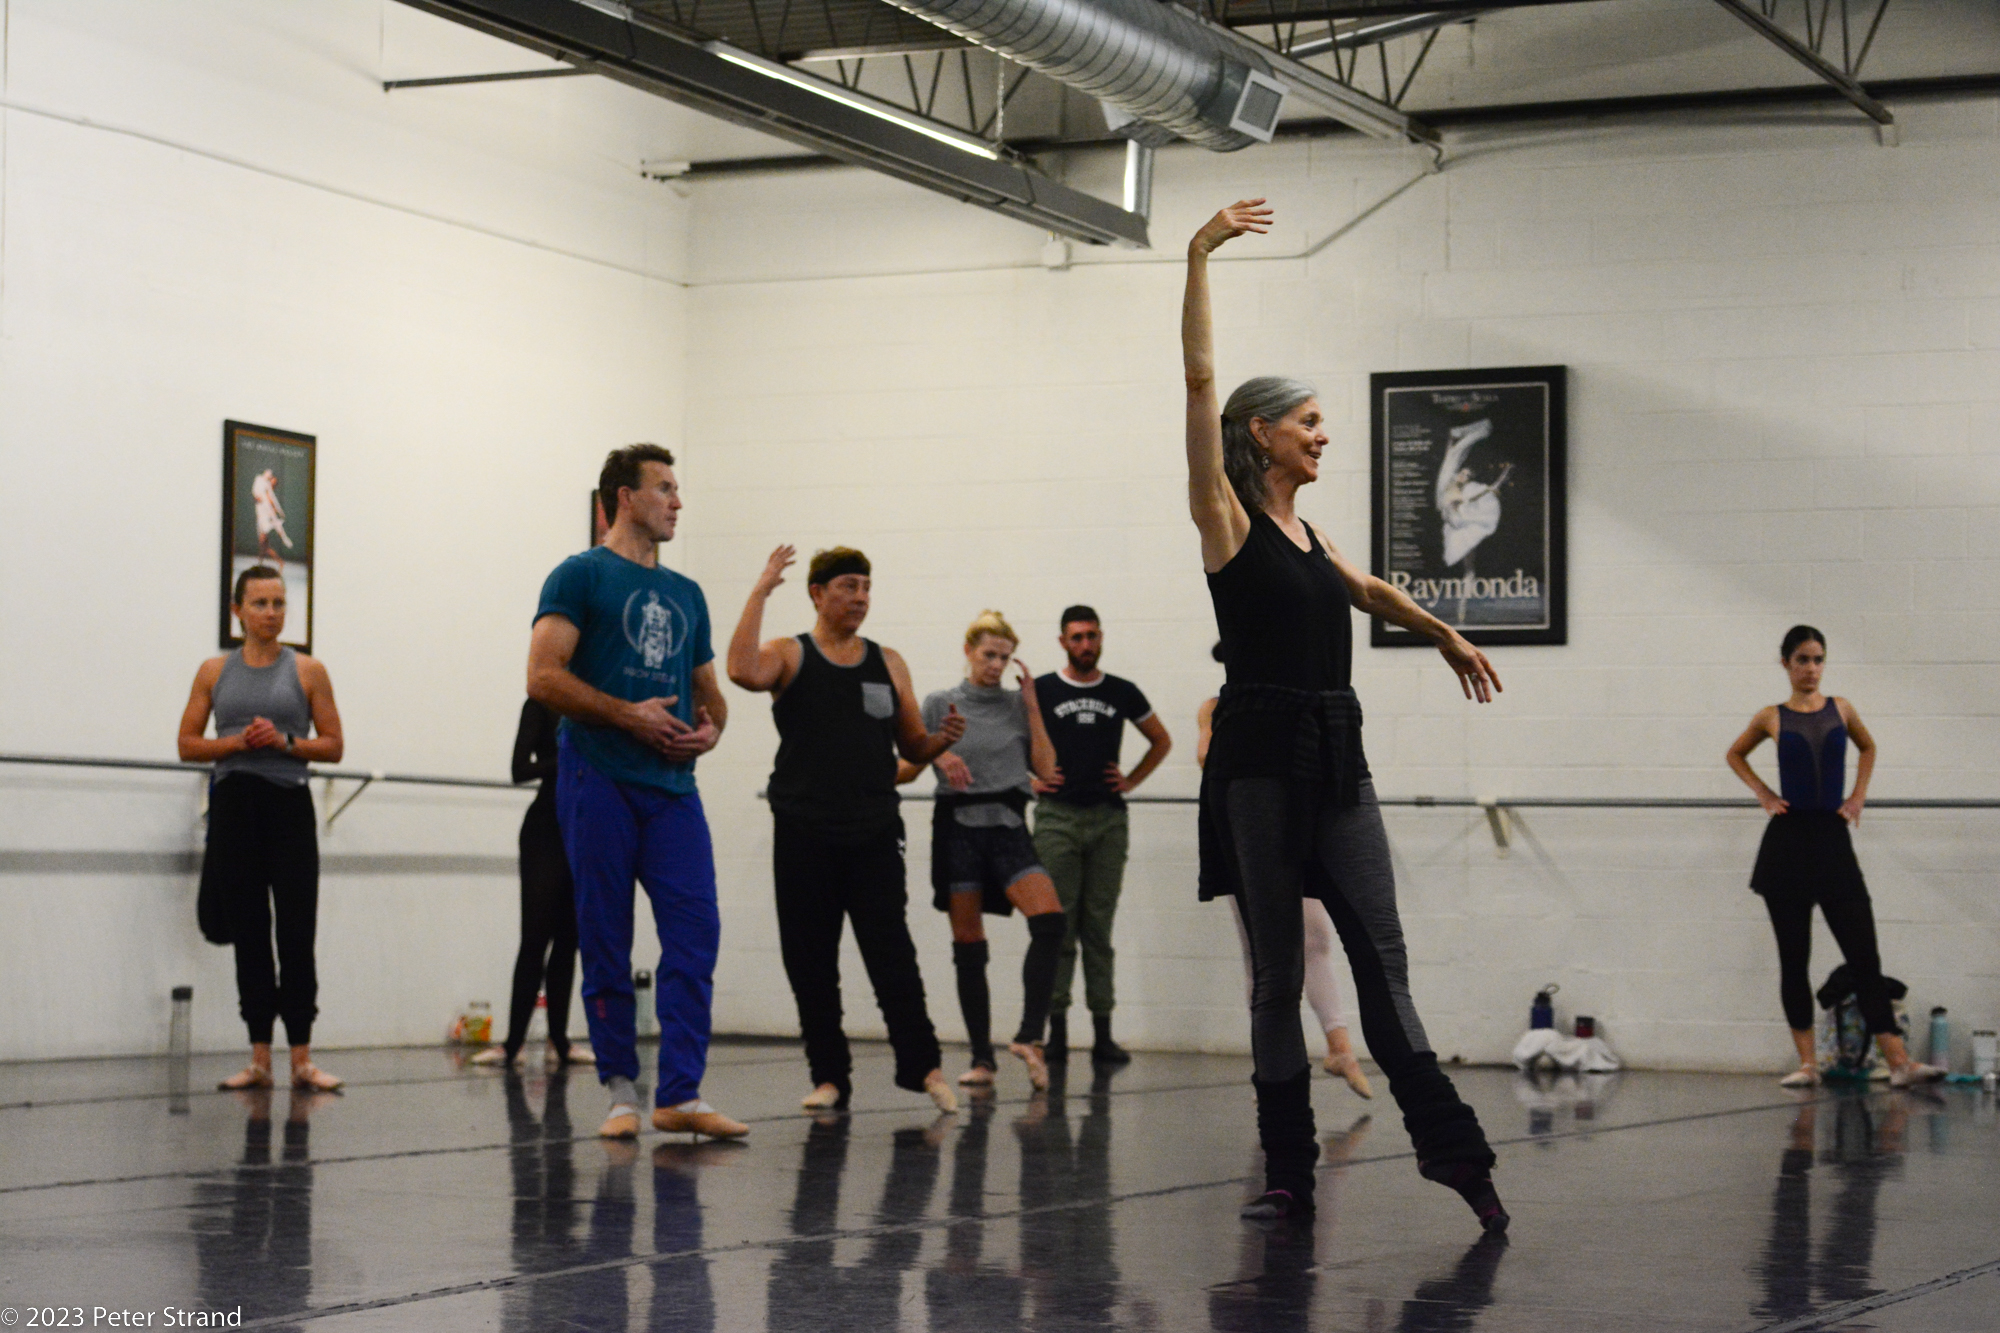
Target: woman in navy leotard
column 1807, row 856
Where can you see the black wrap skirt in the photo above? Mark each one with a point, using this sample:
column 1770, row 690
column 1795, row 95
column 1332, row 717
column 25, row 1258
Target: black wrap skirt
column 1807, row 852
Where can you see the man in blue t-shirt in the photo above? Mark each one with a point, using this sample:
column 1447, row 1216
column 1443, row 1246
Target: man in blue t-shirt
column 621, row 651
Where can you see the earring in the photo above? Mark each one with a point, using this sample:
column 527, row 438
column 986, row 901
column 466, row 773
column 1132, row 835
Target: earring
column 1264, row 462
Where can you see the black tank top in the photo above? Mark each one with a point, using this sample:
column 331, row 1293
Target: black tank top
column 836, row 766
column 1283, row 613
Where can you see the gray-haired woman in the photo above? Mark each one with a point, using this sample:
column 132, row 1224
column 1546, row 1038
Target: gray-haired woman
column 1287, row 806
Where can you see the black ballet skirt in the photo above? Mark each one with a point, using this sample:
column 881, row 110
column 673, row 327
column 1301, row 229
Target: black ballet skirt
column 1807, row 852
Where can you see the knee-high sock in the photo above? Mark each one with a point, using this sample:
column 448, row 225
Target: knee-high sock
column 1285, row 1129
column 969, row 961
column 1038, row 972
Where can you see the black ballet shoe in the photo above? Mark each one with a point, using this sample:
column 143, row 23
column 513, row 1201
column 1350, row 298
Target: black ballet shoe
column 1277, row 1206
column 1474, row 1185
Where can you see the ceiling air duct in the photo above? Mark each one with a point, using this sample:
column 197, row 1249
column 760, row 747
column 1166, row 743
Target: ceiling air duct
column 1152, row 61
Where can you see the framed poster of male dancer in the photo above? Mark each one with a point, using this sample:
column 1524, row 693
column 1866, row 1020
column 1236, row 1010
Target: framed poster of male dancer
column 1470, row 513
column 267, row 519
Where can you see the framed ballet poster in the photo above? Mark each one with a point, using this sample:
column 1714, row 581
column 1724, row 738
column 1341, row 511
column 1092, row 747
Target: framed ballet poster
column 1470, row 512
column 267, row 519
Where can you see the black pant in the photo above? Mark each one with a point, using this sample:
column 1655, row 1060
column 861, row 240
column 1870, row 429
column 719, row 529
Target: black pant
column 1852, row 920
column 263, row 849
column 548, row 928
column 1344, row 856
column 820, row 882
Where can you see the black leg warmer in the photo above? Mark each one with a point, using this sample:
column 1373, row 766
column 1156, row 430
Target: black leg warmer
column 1038, row 972
column 1286, row 1131
column 1444, row 1130
column 974, row 1002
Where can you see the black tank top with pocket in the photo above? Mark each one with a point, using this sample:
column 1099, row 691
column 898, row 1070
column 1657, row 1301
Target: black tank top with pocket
column 836, row 768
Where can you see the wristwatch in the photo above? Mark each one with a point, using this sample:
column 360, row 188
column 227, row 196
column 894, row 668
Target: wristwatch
column 289, row 739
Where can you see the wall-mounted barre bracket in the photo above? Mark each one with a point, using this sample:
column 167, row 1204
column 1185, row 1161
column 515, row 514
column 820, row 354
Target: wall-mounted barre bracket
column 1499, row 821
column 352, row 797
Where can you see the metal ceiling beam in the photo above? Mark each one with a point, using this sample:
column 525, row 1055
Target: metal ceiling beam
column 1263, row 13
column 647, row 54
column 1369, row 34
column 1812, row 60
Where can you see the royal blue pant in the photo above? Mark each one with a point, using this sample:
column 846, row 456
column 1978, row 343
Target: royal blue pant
column 614, row 833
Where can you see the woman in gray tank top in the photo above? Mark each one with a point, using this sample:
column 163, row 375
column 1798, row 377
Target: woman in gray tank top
column 261, row 872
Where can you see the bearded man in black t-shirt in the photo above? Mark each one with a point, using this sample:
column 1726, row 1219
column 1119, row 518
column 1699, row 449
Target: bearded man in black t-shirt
column 1080, row 821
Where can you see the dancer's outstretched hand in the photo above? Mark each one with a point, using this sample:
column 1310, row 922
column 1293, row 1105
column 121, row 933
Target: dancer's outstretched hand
column 774, row 569
column 1476, row 675
column 1245, row 215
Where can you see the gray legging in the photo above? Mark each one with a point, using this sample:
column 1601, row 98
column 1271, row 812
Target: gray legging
column 1346, row 859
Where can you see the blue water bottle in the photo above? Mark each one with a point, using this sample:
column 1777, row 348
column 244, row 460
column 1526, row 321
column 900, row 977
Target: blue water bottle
column 1542, row 1014
column 1940, row 1053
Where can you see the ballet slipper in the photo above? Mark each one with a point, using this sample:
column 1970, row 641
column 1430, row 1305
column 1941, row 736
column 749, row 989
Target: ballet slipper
column 1349, row 1068
column 697, row 1118
column 979, row 1076
column 312, row 1077
column 620, row 1122
column 251, row 1076
column 579, row 1054
column 1912, row 1072
column 1805, row 1076
column 493, row 1055
column 825, row 1097
column 1030, row 1054
column 940, row 1092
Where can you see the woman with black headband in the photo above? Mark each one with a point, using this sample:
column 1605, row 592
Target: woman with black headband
column 1287, row 805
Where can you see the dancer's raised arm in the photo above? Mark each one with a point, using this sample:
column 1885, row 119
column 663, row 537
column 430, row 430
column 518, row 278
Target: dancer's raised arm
column 1219, row 515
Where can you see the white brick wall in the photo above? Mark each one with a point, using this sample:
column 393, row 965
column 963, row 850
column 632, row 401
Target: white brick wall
column 1784, row 408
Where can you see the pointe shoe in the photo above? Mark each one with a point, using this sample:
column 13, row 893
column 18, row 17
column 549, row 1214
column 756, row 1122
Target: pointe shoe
column 581, row 1054
column 1805, row 1076
column 620, row 1122
column 940, row 1093
column 1347, row 1067
column 249, row 1077
column 1030, row 1054
column 979, row 1076
column 317, row 1079
column 703, row 1119
column 1913, row 1073
column 492, row 1055
column 825, row 1097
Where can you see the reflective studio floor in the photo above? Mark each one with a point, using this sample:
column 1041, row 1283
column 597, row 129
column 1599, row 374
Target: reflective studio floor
column 439, row 1198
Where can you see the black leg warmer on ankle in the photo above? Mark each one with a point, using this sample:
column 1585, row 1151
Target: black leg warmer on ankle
column 1038, row 972
column 1286, row 1131
column 1443, row 1129
column 969, row 961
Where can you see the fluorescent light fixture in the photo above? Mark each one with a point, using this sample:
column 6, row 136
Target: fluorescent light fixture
column 833, row 92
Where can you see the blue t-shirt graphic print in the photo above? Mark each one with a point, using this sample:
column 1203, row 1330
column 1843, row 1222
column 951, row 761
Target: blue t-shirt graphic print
column 641, row 634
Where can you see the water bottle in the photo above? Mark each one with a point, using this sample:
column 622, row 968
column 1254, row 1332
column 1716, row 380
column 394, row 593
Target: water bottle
column 1586, row 1026
column 538, row 1022
column 180, row 1029
column 180, row 1048
column 1940, row 1052
column 1542, row 1013
column 645, row 1021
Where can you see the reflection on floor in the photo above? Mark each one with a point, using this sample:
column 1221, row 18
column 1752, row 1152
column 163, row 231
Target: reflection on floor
column 438, row 1197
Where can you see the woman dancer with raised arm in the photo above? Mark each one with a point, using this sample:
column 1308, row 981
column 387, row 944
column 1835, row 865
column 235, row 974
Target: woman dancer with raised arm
column 1287, row 805
column 274, row 712
column 982, row 859
column 1807, row 855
